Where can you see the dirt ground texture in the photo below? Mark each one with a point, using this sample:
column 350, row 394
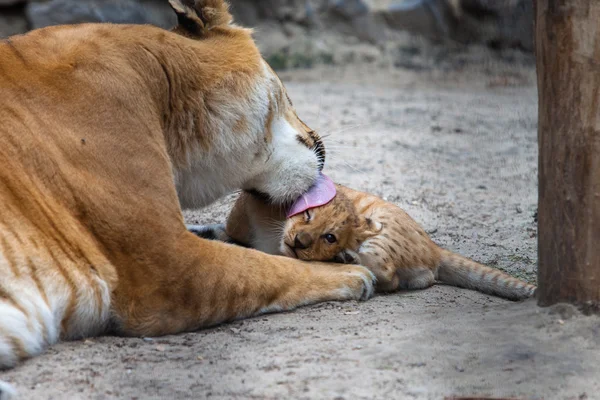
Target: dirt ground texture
column 456, row 149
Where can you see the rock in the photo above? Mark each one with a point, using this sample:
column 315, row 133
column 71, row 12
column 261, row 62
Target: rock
column 291, row 29
column 350, row 9
column 435, row 19
column 301, row 51
column 361, row 22
column 311, row 15
column 57, row 12
column 271, row 38
column 12, row 22
column 245, row 12
column 5, row 3
column 251, row 12
column 158, row 13
column 369, row 28
column 498, row 23
column 517, row 27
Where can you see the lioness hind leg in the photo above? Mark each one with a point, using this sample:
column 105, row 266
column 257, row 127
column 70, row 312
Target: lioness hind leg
column 209, row 282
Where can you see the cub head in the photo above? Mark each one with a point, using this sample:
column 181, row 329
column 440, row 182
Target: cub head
column 238, row 127
column 321, row 233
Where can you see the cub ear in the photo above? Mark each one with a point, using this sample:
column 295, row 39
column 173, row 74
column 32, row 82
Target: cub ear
column 374, row 226
column 198, row 16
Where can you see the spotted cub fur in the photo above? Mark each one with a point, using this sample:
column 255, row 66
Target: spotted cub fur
column 360, row 228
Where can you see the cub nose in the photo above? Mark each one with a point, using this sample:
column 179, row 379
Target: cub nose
column 302, row 241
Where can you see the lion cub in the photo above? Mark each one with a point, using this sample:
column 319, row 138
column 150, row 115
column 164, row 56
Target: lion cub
column 360, row 228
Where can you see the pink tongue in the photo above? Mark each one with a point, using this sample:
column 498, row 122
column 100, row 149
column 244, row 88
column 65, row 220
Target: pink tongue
column 321, row 193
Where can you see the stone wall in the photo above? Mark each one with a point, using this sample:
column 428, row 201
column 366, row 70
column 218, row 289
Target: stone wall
column 318, row 28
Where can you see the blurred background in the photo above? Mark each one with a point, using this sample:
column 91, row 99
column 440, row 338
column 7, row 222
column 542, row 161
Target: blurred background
column 304, row 33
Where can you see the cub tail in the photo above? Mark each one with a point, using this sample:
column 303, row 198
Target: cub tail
column 459, row 271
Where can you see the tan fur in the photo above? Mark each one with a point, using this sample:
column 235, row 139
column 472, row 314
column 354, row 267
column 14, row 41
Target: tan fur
column 102, row 127
column 371, row 232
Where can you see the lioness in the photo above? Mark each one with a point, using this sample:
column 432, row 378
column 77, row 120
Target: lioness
column 106, row 132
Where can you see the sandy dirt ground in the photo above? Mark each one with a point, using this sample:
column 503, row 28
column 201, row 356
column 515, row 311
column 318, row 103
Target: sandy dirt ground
column 458, row 151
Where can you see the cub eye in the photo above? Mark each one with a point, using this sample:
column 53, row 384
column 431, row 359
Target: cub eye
column 330, row 238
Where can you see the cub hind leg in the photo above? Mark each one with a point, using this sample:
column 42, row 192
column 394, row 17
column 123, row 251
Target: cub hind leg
column 414, row 278
column 384, row 271
column 389, row 277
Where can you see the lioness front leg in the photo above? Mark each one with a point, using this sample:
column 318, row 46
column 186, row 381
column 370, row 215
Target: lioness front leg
column 203, row 287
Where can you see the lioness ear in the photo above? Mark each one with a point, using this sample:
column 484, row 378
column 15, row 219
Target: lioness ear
column 198, row 16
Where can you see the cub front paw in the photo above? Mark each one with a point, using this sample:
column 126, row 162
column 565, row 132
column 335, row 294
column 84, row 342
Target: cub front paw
column 347, row 257
column 360, row 285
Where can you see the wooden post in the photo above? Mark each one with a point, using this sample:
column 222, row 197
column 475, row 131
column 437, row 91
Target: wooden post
column 568, row 71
